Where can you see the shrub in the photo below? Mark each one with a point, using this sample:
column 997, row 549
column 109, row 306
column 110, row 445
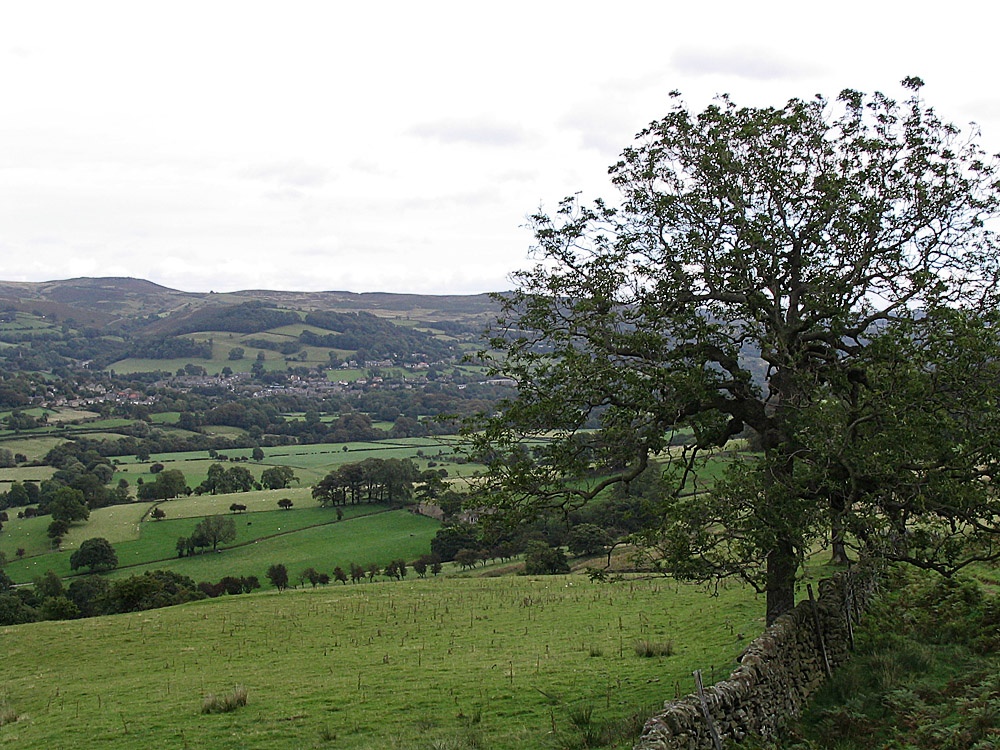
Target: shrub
column 222, row 704
column 648, row 649
column 8, row 715
column 541, row 559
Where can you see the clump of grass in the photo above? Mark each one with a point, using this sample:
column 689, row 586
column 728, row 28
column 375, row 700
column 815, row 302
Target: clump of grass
column 222, row 704
column 596, row 651
column 325, row 735
column 648, row 649
column 580, row 716
column 8, row 714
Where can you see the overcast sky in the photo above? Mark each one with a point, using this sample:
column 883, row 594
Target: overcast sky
column 391, row 146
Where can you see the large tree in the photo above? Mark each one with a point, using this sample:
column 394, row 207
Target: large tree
column 96, row 554
column 755, row 258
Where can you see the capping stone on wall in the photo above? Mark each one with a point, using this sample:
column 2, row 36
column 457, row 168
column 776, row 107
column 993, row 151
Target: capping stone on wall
column 776, row 674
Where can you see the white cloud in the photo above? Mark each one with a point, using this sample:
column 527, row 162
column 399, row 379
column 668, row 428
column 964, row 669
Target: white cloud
column 382, row 147
column 481, row 132
column 753, row 63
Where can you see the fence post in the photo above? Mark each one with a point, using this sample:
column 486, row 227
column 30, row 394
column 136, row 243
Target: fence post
column 849, row 609
column 819, row 630
column 705, row 712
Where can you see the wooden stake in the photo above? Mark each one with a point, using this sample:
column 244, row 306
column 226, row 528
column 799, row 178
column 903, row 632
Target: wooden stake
column 705, row 712
column 819, row 630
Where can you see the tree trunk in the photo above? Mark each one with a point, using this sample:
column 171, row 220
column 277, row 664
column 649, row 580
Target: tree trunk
column 838, row 508
column 781, row 568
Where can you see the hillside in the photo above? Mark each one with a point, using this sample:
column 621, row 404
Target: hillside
column 138, row 326
column 101, row 301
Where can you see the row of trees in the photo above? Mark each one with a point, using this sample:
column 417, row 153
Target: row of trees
column 395, row 570
column 374, row 480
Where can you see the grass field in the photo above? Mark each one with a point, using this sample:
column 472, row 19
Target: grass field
column 24, row 474
column 303, row 536
column 34, row 448
column 497, row 663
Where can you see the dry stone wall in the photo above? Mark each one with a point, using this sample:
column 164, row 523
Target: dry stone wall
column 776, row 674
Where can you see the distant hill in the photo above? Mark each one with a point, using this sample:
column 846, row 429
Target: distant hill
column 136, row 325
column 117, row 301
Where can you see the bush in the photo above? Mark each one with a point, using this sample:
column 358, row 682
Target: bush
column 648, row 649
column 8, row 715
column 542, row 560
column 222, row 704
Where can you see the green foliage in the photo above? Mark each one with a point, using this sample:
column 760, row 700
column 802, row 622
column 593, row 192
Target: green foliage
column 374, row 479
column 277, row 574
column 542, row 560
column 96, row 554
column 167, row 485
column 451, row 539
column 67, row 504
column 214, row 530
column 222, row 480
column 170, row 348
column 762, row 272
column 924, row 676
column 277, row 477
column 249, row 317
column 587, row 539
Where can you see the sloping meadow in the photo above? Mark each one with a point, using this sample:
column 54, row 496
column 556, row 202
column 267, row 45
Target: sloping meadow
column 451, row 662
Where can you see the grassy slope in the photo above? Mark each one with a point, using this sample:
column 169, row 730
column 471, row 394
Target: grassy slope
column 497, row 663
column 925, row 676
column 298, row 538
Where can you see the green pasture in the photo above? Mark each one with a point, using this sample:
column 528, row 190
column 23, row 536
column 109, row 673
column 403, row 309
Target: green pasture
column 34, row 448
column 281, row 537
column 117, row 523
column 67, row 414
column 223, row 430
column 197, row 506
column 34, row 411
column 310, row 462
column 24, row 474
column 300, row 537
column 346, row 375
column 25, row 322
column 166, row 417
column 501, row 663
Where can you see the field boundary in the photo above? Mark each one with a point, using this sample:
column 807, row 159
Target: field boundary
column 777, row 673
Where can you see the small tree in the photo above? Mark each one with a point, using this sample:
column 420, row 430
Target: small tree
column 467, row 558
column 357, row 573
column 285, row 504
column 587, row 539
column 57, row 530
column 158, row 514
column 215, row 530
column 542, row 560
column 277, row 477
column 278, row 576
column 95, row 553
column 310, row 574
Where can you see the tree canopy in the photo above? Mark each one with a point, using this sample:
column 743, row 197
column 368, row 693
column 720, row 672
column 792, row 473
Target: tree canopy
column 765, row 272
column 95, row 553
